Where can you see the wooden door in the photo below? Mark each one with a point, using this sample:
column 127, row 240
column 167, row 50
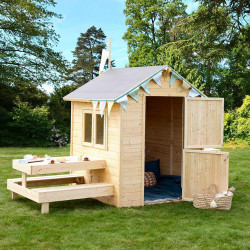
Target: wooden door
column 203, row 126
column 203, row 168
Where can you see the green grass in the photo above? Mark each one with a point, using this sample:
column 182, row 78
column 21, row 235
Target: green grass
column 89, row 224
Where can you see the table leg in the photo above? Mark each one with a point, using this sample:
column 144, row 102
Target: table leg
column 14, row 195
column 24, row 179
column 45, row 208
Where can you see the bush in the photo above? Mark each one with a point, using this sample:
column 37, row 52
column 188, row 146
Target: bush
column 30, row 126
column 237, row 123
column 58, row 138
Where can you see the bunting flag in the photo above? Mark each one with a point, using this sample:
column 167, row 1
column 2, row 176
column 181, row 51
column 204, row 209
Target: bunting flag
column 95, row 103
column 123, row 101
column 110, row 105
column 173, row 78
column 102, row 107
column 105, row 55
column 185, row 85
column 157, row 78
column 134, row 93
column 193, row 93
column 145, row 86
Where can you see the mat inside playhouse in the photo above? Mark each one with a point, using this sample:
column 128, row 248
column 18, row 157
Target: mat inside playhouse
column 168, row 187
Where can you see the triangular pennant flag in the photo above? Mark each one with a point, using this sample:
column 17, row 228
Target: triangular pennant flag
column 123, row 101
column 193, row 93
column 185, row 85
column 105, row 55
column 173, row 78
column 134, row 93
column 102, row 107
column 157, row 78
column 110, row 105
column 145, row 86
column 95, row 103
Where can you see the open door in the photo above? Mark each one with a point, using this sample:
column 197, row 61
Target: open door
column 203, row 128
column 203, row 122
column 203, row 168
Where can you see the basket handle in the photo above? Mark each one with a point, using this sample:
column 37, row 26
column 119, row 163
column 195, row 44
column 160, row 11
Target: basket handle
column 212, row 188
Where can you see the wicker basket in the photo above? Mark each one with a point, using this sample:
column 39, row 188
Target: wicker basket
column 203, row 200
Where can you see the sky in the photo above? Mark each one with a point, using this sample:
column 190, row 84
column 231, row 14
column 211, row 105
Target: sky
column 79, row 15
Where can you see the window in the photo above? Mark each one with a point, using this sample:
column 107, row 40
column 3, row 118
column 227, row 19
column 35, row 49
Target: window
column 94, row 129
column 87, row 135
column 99, row 129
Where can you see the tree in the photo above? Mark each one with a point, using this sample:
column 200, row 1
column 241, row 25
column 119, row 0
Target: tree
column 27, row 38
column 59, row 110
column 151, row 24
column 239, row 10
column 213, row 55
column 204, row 46
column 87, row 56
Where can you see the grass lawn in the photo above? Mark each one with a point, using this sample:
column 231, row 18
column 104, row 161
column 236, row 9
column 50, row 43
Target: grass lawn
column 89, row 224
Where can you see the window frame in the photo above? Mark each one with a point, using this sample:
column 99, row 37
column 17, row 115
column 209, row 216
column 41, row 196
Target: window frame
column 93, row 143
column 87, row 111
column 100, row 146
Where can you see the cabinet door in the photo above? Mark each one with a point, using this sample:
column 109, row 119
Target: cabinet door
column 201, row 169
column 203, row 126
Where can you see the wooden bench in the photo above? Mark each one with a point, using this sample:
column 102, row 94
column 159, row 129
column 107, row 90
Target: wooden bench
column 45, row 195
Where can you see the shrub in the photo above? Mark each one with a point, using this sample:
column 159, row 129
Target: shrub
column 237, row 123
column 30, row 126
column 58, row 138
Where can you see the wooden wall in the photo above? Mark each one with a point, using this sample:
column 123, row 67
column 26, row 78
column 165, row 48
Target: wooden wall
column 111, row 174
column 164, row 132
column 133, row 140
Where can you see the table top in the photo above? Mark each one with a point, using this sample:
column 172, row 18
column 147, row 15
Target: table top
column 45, row 167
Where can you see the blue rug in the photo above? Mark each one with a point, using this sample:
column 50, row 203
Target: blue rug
column 167, row 187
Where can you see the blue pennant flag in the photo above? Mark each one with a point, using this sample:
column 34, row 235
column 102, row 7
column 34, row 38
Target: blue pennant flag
column 173, row 78
column 145, row 86
column 134, row 93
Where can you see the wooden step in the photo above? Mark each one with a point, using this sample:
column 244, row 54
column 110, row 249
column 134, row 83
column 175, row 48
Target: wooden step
column 50, row 180
column 62, row 193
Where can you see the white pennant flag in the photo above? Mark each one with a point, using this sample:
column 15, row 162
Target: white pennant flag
column 123, row 101
column 110, row 105
column 157, row 78
column 134, row 93
column 105, row 55
column 145, row 86
column 102, row 107
column 193, row 93
column 95, row 103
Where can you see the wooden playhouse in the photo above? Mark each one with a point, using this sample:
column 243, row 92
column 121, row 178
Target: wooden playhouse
column 131, row 116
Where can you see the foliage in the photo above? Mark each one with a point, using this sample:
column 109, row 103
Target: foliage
column 209, row 47
column 30, row 126
column 151, row 24
column 87, row 56
column 60, row 110
column 25, row 92
column 237, row 122
column 93, row 225
column 27, row 38
column 58, row 138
